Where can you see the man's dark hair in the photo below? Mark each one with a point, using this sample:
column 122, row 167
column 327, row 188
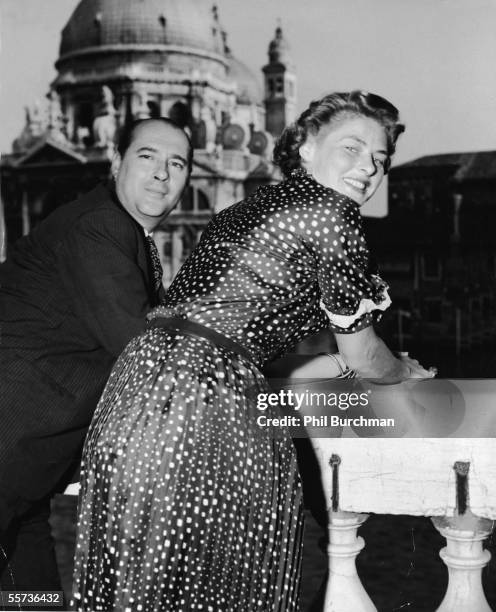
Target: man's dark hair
column 127, row 133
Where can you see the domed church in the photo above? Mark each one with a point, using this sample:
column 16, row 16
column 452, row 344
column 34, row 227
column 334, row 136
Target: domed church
column 121, row 60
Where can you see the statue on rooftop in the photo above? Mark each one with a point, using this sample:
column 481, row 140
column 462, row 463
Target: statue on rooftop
column 105, row 123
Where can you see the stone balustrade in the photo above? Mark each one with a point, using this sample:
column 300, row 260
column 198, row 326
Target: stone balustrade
column 451, row 479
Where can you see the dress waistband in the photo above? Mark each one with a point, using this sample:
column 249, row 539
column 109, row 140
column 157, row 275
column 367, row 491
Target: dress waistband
column 191, row 328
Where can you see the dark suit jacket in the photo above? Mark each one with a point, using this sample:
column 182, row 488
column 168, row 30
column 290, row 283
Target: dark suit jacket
column 72, row 294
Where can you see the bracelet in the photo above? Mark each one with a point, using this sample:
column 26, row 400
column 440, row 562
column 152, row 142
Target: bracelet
column 344, row 370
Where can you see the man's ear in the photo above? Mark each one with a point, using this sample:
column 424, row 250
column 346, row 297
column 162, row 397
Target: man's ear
column 115, row 165
column 307, row 150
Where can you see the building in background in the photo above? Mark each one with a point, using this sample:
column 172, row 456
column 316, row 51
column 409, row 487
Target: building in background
column 122, row 60
column 436, row 248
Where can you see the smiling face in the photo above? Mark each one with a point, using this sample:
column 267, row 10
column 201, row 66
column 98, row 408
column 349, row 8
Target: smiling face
column 349, row 156
column 151, row 175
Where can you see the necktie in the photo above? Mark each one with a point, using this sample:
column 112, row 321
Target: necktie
column 155, row 261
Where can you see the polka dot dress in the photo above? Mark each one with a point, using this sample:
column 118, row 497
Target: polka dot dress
column 186, row 502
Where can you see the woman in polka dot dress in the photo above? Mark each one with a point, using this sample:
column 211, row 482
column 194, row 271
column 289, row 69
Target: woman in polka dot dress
column 186, row 503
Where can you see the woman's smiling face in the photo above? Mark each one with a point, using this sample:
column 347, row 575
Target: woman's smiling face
column 349, row 156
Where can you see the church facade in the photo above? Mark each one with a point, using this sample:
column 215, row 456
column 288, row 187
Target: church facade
column 122, row 60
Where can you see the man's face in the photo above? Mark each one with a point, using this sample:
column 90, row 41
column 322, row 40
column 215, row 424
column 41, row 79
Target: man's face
column 151, row 176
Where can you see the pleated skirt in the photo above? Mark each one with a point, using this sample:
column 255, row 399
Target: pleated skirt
column 186, row 502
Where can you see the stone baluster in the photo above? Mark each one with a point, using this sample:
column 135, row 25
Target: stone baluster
column 464, row 555
column 465, row 558
column 345, row 592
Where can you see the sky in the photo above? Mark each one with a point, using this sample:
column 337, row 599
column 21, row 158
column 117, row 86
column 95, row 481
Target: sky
column 434, row 59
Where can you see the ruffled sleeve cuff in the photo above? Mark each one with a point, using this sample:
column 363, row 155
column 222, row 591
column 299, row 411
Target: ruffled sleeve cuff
column 381, row 301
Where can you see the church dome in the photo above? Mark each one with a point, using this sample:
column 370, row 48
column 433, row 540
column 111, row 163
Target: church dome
column 184, row 23
column 248, row 88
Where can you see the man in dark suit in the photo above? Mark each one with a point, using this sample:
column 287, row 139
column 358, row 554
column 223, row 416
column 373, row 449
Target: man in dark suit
column 72, row 294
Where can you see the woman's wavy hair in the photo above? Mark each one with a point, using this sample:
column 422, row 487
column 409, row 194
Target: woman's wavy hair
column 324, row 112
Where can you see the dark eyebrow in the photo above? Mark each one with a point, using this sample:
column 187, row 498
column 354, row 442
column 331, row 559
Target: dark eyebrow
column 180, row 157
column 362, row 142
column 155, row 150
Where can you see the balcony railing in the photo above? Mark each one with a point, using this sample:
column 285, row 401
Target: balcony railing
column 451, row 479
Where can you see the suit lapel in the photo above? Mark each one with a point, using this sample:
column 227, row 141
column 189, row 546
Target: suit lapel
column 142, row 257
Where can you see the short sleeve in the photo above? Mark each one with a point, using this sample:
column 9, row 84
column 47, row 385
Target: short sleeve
column 353, row 295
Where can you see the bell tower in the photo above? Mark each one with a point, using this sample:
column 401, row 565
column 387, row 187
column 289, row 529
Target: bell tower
column 280, row 86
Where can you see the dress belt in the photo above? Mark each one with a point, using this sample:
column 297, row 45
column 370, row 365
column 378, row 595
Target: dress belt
column 191, row 328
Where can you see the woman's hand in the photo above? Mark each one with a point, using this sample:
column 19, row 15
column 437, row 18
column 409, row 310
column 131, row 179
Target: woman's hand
column 413, row 369
column 364, row 352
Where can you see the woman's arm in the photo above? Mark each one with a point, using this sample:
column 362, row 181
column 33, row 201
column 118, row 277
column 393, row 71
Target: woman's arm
column 303, row 366
column 364, row 352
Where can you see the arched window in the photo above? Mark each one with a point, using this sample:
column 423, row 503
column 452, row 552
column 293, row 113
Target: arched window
column 190, row 240
column 187, row 200
column 194, row 200
column 154, row 109
column 203, row 203
column 85, row 115
column 180, row 113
